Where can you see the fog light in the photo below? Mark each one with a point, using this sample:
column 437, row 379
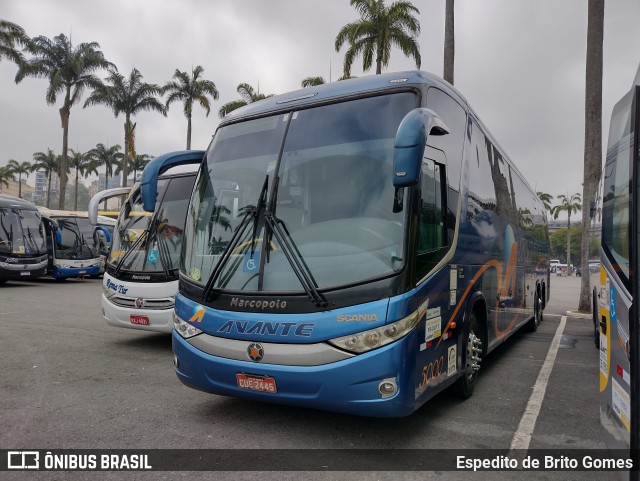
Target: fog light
column 175, row 361
column 387, row 387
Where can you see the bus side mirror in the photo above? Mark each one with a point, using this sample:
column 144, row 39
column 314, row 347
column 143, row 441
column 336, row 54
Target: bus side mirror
column 411, row 139
column 58, row 236
column 155, row 168
column 105, row 231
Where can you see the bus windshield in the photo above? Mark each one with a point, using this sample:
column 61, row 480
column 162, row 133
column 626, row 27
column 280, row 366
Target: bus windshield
column 21, row 232
column 76, row 239
column 151, row 242
column 324, row 175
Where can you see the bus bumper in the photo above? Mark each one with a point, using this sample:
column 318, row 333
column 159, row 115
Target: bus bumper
column 65, row 272
column 349, row 386
column 22, row 271
column 155, row 320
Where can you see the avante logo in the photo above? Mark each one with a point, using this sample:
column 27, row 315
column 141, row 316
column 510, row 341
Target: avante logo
column 357, row 317
column 303, row 329
column 197, row 315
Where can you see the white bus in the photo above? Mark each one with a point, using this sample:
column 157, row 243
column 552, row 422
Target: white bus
column 141, row 271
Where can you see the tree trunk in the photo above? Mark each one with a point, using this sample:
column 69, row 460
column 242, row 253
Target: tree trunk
column 569, row 243
column 125, row 160
column 189, row 132
column 592, row 138
column 20, row 185
column 75, row 202
column 65, row 112
column 449, row 42
column 49, row 189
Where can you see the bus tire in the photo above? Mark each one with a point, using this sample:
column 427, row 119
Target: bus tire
column 472, row 348
column 537, row 315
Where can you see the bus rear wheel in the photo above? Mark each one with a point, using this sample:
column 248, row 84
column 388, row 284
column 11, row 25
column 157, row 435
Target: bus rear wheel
column 537, row 315
column 473, row 355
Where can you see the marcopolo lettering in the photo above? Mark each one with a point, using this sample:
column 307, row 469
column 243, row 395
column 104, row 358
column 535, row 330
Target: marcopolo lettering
column 140, row 278
column 265, row 328
column 258, row 304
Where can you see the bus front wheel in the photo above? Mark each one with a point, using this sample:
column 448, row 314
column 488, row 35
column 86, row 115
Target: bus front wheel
column 473, row 355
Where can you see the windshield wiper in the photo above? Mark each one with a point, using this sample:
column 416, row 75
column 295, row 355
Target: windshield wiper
column 278, row 228
column 235, row 238
column 163, row 251
column 133, row 248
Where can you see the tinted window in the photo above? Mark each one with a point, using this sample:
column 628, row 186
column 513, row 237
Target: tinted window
column 455, row 117
column 616, row 194
column 482, row 195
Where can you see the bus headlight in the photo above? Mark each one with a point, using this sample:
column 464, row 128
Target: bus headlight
column 374, row 338
column 183, row 328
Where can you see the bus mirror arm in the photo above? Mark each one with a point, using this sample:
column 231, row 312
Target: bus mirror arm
column 105, row 231
column 397, row 200
column 410, row 142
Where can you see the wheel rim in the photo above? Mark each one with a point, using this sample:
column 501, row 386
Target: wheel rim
column 474, row 355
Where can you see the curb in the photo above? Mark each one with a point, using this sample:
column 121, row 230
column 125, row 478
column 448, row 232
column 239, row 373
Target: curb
column 579, row 315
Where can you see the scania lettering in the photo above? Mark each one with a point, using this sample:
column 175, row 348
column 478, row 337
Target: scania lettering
column 380, row 214
column 73, row 243
column 23, row 248
column 141, row 271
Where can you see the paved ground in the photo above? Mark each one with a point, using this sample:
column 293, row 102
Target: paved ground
column 70, row 381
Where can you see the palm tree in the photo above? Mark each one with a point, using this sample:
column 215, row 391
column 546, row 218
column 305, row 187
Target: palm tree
column 107, row 157
column 312, row 81
column 11, row 36
column 449, row 42
column 69, row 71
column 569, row 205
column 48, row 162
column 189, row 89
column 6, row 174
column 545, row 199
column 128, row 96
column 248, row 94
column 592, row 136
column 19, row 168
column 83, row 164
column 139, row 162
column 378, row 29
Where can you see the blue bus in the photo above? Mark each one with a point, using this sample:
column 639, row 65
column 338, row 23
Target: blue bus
column 73, row 243
column 23, row 249
column 355, row 247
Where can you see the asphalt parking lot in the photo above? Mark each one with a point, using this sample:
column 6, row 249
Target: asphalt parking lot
column 69, row 381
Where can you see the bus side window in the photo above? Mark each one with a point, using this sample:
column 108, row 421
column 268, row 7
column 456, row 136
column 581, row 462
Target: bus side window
column 432, row 233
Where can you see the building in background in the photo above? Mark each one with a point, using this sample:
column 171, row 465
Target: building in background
column 40, row 193
column 28, row 192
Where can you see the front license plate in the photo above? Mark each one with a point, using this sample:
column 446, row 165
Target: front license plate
column 139, row 320
column 256, row 383
column 25, row 273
